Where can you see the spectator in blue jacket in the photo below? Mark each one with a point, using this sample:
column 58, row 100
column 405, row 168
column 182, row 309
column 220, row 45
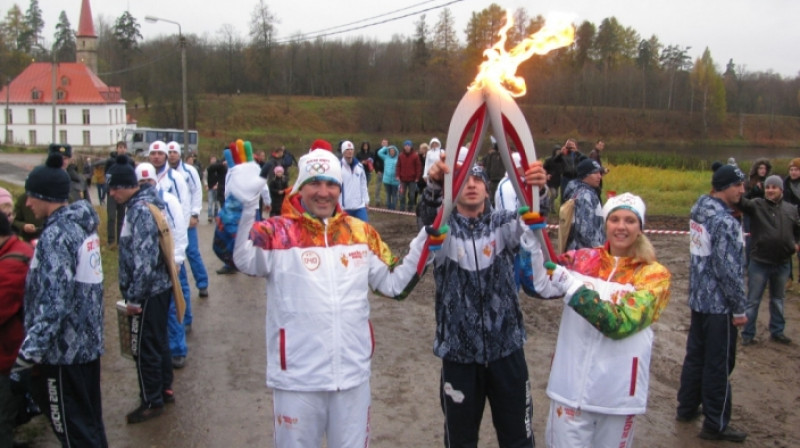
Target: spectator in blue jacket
column 389, row 156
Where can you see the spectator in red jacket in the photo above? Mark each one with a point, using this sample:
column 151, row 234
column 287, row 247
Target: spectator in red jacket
column 409, row 171
column 14, row 257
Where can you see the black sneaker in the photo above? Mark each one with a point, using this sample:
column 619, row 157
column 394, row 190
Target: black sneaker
column 178, row 362
column 748, row 341
column 728, row 434
column 226, row 270
column 144, row 413
column 780, row 338
column 203, row 292
column 689, row 417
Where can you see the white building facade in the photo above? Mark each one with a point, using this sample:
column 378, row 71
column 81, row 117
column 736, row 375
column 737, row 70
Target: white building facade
column 87, row 112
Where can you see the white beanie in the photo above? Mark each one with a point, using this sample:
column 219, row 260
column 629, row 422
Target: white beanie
column 319, row 164
column 157, row 146
column 146, row 171
column 625, row 201
column 347, row 144
column 174, row 146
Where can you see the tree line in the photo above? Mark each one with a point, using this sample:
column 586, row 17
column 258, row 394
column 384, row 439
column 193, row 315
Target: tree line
column 608, row 65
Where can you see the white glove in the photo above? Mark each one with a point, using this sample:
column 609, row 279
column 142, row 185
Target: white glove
column 244, row 183
column 566, row 283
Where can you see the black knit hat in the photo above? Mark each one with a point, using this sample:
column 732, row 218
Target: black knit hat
column 480, row 173
column 122, row 174
column 726, row 176
column 587, row 167
column 62, row 148
column 49, row 182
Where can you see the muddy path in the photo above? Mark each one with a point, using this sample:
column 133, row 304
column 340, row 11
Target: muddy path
column 222, row 400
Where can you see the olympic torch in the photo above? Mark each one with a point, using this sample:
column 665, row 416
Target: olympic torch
column 490, row 100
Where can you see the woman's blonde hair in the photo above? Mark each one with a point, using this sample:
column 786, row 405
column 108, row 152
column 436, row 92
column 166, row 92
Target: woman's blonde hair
column 643, row 249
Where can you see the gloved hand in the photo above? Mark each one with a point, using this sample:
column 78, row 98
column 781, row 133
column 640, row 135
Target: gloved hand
column 436, row 236
column 244, row 183
column 21, row 364
column 562, row 280
column 532, row 219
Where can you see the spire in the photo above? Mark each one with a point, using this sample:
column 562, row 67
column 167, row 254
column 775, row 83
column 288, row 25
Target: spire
column 86, row 25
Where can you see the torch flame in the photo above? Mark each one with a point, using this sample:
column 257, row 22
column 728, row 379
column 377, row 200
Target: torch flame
column 500, row 66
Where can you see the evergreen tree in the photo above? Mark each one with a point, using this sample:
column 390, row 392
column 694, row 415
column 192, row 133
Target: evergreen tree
column 422, row 53
column 126, row 34
column 65, row 45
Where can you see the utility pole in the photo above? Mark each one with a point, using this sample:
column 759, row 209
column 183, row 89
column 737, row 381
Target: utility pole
column 182, row 43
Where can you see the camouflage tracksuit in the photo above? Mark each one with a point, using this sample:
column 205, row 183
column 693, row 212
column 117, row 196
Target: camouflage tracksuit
column 144, row 280
column 64, row 324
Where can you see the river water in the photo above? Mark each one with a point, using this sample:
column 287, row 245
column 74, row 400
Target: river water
column 708, row 153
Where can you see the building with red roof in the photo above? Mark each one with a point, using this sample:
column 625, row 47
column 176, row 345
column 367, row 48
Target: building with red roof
column 71, row 100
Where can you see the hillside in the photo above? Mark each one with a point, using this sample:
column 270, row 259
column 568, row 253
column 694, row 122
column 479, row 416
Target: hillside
column 295, row 121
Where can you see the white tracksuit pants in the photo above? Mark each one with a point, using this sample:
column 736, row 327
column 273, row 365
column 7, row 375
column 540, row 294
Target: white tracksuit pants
column 568, row 427
column 302, row 419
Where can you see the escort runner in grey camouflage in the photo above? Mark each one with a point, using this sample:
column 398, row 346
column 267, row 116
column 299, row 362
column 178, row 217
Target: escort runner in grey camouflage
column 475, row 290
column 588, row 228
column 64, row 290
column 141, row 255
column 716, row 275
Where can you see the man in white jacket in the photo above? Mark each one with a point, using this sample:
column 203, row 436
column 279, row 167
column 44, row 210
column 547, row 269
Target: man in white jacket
column 195, row 201
column 319, row 264
column 354, row 197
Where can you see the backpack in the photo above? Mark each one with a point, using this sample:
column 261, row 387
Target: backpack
column 566, row 217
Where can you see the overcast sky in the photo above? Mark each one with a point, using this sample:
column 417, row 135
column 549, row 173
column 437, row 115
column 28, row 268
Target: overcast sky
column 759, row 34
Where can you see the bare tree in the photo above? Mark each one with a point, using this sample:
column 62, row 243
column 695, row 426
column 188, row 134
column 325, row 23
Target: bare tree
column 262, row 31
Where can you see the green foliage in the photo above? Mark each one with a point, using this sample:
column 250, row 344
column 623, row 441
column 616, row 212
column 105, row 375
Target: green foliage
column 65, row 45
column 32, row 30
column 659, row 160
column 126, row 32
column 669, row 192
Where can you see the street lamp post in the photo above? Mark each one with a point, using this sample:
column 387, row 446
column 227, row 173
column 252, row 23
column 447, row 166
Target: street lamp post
column 53, row 99
column 8, row 98
column 182, row 41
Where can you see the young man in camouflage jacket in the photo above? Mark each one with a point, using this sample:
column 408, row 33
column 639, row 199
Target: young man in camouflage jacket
column 146, row 287
column 717, row 301
column 480, row 330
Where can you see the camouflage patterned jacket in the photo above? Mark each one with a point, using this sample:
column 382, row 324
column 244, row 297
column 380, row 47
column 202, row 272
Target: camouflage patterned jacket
column 478, row 318
column 64, row 290
column 716, row 269
column 142, row 272
column 588, row 228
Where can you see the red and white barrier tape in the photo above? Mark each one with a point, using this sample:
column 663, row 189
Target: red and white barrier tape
column 549, row 226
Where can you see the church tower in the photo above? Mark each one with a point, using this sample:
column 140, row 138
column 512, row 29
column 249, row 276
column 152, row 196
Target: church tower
column 86, row 38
